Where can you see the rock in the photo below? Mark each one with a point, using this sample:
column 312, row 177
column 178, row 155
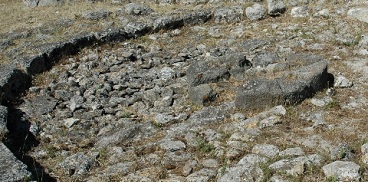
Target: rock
column 96, row 15
column 172, row 146
column 3, row 121
column 297, row 151
column 247, row 170
column 264, row 59
column 342, row 171
column 342, row 152
column 38, row 106
column 256, row 12
column 299, row 12
column 210, row 163
column 77, row 164
column 342, row 82
column 264, row 93
column 228, row 15
column 265, row 150
column 321, row 102
column 189, row 167
column 295, row 166
column 201, row 94
column 211, row 114
column 11, row 169
column 317, row 119
column 276, row 7
column 201, row 175
column 35, row 3
column 122, row 168
column 70, row 122
column 265, row 119
column 137, row 9
column 358, row 13
column 118, row 136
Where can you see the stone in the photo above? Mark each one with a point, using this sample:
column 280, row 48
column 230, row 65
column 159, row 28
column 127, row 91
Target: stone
column 70, row 122
column 256, row 12
column 211, row 114
column 3, row 121
column 322, row 102
column 35, row 3
column 210, row 163
column 317, row 119
column 77, row 164
column 276, row 7
column 11, row 169
column 359, row 13
column 201, row 94
column 342, row 152
column 137, row 9
column 265, row 119
column 297, row 151
column 39, row 106
column 342, row 171
column 248, row 170
column 342, row 82
column 172, row 146
column 266, row 150
column 265, row 93
column 264, row 59
column 96, row 15
column 299, row 12
column 118, row 136
column 201, row 175
column 228, row 15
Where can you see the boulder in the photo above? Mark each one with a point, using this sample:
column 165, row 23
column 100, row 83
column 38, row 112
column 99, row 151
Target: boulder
column 228, row 15
column 299, row 77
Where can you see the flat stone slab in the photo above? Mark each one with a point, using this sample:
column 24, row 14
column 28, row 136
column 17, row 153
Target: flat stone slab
column 287, row 82
column 11, row 169
column 360, row 14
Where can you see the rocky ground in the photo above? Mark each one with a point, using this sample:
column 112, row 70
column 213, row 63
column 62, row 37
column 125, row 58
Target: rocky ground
column 234, row 91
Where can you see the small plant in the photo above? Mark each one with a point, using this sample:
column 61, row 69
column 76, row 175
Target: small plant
column 331, row 104
column 267, row 172
column 51, row 151
column 205, row 147
column 332, row 179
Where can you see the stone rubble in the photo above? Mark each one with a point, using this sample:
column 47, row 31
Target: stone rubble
column 191, row 96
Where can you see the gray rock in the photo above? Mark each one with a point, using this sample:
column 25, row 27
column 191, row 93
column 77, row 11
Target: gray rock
column 256, row 12
column 213, row 69
column 210, row 163
column 189, row 167
column 172, row 146
column 276, row 7
column 35, row 3
column 265, row 118
column 342, row 171
column 266, row 150
column 11, row 169
column 201, row 175
column 137, row 9
column 3, row 121
column 358, row 13
column 264, row 93
column 292, row 167
column 121, row 168
column 297, row 151
column 342, row 152
column 248, row 170
column 342, row 82
column 263, row 59
column 96, row 15
column 118, row 136
column 228, row 15
column 38, row 106
column 317, row 119
column 321, row 102
column 201, row 94
column 211, row 114
column 299, row 12
column 77, row 164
